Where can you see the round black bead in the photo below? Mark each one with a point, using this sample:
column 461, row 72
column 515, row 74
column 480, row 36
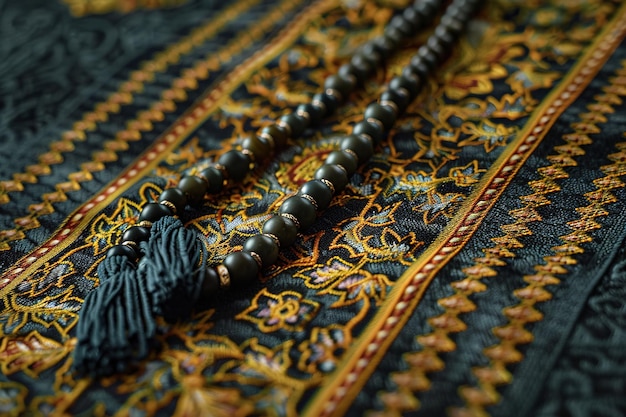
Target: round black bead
column 284, row 229
column 123, row 250
column 210, row 284
column 237, row 164
column 415, row 19
column 315, row 113
column 259, row 149
column 264, row 246
column 333, row 173
column 417, row 66
column 382, row 113
column 296, row 123
column 426, row 8
column 400, row 23
column 330, row 102
column 319, row 191
column 411, row 83
column 242, row 269
column 350, row 71
column 393, row 36
column 446, row 38
column 215, row 178
column 153, row 212
column 363, row 64
column 344, row 85
column 429, row 57
column 278, row 133
column 360, row 145
column 452, row 24
column 373, row 130
column 384, row 46
column 400, row 98
column 194, row 188
column 343, row 158
column 175, row 196
column 301, row 208
column 438, row 49
column 136, row 234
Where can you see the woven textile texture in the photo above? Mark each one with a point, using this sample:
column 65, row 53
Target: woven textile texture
column 473, row 267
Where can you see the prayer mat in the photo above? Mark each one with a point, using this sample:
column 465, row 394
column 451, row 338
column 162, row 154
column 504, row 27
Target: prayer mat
column 473, row 267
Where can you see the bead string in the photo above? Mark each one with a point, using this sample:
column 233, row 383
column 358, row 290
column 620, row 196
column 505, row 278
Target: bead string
column 299, row 211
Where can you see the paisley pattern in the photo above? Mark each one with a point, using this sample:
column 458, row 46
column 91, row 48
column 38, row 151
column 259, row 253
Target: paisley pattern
column 472, row 267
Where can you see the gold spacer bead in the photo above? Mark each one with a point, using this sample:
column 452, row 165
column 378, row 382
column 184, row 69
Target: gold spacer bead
column 145, row 223
column 328, row 184
column 292, row 218
column 169, row 205
column 274, row 238
column 224, row 275
column 311, row 200
column 257, row 258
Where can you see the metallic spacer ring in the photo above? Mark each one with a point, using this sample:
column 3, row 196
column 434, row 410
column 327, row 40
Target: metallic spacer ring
column 292, row 218
column 311, row 200
column 304, row 114
column 274, row 238
column 320, row 104
column 224, row 275
column 249, row 154
column 351, row 152
column 376, row 122
column 257, row 259
column 169, row 205
column 328, row 184
column 334, row 93
column 391, row 104
column 285, row 126
column 145, row 223
column 268, row 138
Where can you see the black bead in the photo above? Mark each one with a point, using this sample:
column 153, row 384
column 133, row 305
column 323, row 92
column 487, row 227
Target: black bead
column 136, row 234
column 194, row 188
column 284, row 229
column 215, row 179
column 344, row 85
column 242, row 269
column 415, row 19
column 410, row 82
column 438, row 49
column 259, row 149
column 373, row 130
column 153, row 212
column 382, row 113
column 400, row 23
column 315, row 113
column 333, row 173
column 445, row 37
column 418, row 66
column 452, row 24
column 362, row 64
column 384, row 46
column 369, row 53
column 399, row 97
column 319, row 191
column 210, row 284
column 279, row 134
column 348, row 70
column 360, row 145
column 175, row 196
column 301, row 208
column 237, row 164
column 426, row 8
column 123, row 250
column 393, row 36
column 330, row 103
column 429, row 57
column 343, row 158
column 296, row 123
column 264, row 246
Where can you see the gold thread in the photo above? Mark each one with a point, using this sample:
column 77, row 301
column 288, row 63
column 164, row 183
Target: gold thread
column 224, row 275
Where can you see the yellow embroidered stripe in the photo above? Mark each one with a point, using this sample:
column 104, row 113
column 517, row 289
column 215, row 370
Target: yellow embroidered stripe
column 172, row 137
column 361, row 360
column 124, row 96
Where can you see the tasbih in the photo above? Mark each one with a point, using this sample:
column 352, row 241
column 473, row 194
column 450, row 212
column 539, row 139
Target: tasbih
column 117, row 327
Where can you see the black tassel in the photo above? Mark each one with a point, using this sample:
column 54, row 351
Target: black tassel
column 116, row 321
column 117, row 326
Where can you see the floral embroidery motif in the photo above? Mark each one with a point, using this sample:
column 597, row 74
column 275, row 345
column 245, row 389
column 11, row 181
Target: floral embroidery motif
column 286, row 311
